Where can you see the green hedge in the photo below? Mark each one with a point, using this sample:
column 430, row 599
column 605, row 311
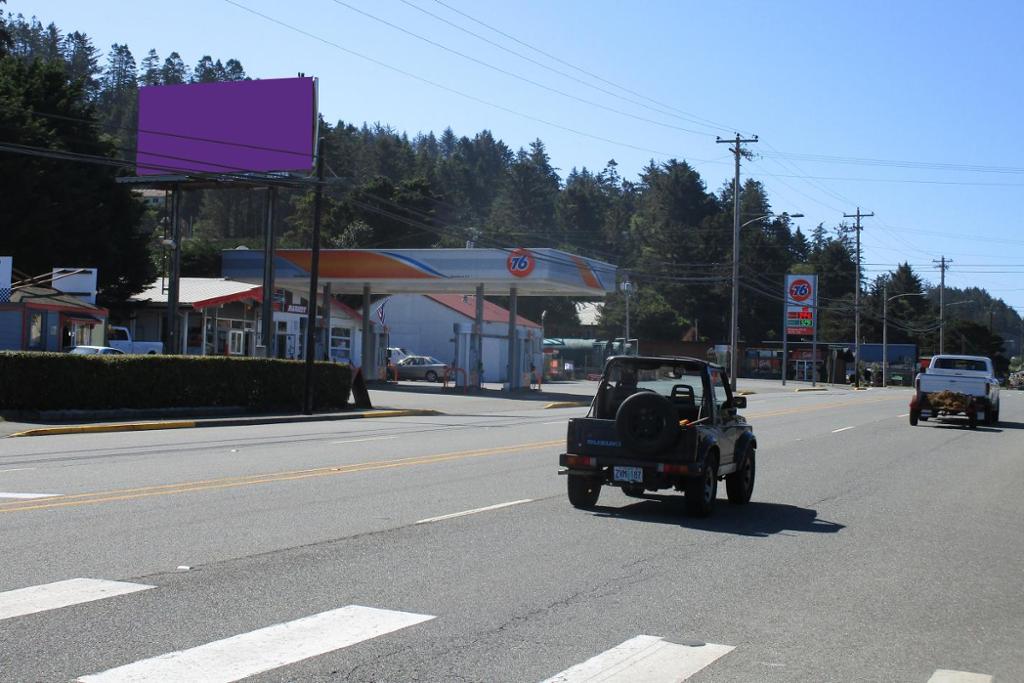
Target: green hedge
column 60, row 381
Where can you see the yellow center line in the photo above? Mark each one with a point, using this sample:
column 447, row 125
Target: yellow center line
column 233, row 482
column 80, row 499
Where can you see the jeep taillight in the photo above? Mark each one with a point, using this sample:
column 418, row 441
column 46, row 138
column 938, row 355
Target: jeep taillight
column 580, row 461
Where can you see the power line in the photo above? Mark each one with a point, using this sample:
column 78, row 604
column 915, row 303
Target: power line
column 557, row 71
column 692, row 117
column 512, row 74
column 923, row 165
column 446, row 88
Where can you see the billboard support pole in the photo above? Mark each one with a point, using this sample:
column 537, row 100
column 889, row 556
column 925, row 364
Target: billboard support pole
column 267, row 336
column 174, row 286
column 314, row 282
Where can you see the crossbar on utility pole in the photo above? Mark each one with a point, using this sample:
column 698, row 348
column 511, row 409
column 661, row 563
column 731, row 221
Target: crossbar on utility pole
column 856, row 300
column 735, row 315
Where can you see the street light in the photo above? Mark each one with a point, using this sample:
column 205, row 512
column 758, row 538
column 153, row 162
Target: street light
column 885, row 330
column 735, row 317
column 942, row 322
column 627, row 286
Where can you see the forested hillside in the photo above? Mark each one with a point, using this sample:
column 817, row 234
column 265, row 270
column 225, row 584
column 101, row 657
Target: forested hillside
column 668, row 229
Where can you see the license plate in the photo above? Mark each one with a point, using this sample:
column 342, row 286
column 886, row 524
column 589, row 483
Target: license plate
column 926, row 413
column 631, row 474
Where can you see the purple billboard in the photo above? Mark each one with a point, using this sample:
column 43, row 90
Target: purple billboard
column 235, row 127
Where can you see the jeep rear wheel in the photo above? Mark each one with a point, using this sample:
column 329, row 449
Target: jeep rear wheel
column 583, row 491
column 914, row 417
column 701, row 491
column 740, row 484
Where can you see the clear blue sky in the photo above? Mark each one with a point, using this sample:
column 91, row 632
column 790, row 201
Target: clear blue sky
column 930, row 83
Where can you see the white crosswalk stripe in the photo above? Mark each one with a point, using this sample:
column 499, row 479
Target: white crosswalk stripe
column 644, row 658
column 248, row 654
column 22, row 601
column 949, row 676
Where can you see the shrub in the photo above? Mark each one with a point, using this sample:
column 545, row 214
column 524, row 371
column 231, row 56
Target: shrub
column 59, row 381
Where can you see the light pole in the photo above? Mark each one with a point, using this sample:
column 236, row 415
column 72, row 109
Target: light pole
column 885, row 329
column 626, row 287
column 735, row 317
column 942, row 322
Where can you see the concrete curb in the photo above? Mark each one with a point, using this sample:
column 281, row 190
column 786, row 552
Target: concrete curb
column 746, row 393
column 811, row 389
column 222, row 422
column 567, row 404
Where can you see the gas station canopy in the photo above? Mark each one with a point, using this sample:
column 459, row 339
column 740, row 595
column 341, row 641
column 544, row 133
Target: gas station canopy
column 531, row 272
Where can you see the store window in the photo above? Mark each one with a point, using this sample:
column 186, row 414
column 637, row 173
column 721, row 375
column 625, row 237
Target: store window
column 35, row 331
column 341, row 344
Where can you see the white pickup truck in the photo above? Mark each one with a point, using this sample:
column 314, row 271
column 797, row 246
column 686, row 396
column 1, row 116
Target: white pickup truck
column 121, row 339
column 953, row 385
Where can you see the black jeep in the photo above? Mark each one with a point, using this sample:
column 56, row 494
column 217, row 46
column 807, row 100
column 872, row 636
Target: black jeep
column 659, row 423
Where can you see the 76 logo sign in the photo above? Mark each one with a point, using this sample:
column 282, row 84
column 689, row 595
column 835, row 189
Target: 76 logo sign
column 521, row 263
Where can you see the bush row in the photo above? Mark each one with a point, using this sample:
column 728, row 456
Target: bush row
column 60, row 381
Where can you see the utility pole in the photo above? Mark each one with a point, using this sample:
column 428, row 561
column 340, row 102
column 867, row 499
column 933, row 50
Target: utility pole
column 737, row 151
column 314, row 282
column 885, row 335
column 943, row 263
column 856, row 300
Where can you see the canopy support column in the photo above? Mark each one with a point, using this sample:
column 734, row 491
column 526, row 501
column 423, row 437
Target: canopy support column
column 367, row 352
column 513, row 365
column 478, row 339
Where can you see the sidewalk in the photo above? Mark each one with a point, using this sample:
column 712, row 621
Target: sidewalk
column 401, row 400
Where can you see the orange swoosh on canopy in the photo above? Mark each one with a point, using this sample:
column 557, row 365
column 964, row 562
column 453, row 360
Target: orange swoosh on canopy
column 356, row 265
column 586, row 273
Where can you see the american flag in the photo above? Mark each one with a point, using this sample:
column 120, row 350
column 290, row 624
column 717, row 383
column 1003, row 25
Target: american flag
column 381, row 315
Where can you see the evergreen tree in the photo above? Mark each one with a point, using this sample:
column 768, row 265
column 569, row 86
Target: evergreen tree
column 150, row 73
column 87, row 219
column 119, row 97
column 173, row 72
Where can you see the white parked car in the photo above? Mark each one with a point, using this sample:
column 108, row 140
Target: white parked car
column 96, row 351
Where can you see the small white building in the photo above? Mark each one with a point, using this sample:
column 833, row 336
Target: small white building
column 426, row 324
column 220, row 316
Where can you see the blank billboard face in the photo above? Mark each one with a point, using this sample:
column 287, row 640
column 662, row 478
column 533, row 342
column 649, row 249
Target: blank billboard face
column 236, row 127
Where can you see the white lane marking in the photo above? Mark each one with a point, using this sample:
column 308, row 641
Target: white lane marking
column 556, row 422
column 248, row 654
column 22, row 601
column 949, row 676
column 841, row 429
column 27, row 496
column 904, row 415
column 644, row 658
column 18, row 469
column 374, row 438
column 474, row 511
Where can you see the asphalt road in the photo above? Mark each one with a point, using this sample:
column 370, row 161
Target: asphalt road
column 872, row 551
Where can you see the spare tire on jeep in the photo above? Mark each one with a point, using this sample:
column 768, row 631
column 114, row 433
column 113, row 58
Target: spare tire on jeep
column 647, row 423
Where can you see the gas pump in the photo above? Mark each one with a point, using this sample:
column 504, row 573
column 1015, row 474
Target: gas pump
column 462, row 358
